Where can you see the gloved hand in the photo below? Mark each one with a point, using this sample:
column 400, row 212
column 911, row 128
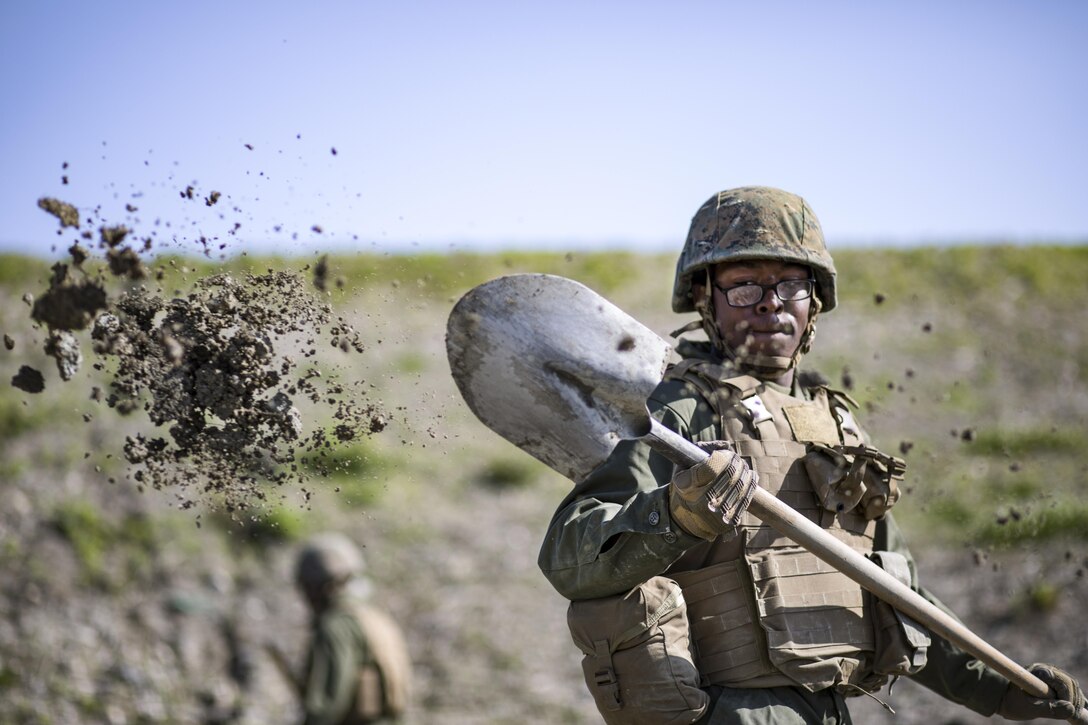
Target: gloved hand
column 1065, row 697
column 709, row 499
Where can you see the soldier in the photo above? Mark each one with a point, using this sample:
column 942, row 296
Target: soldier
column 358, row 668
column 653, row 557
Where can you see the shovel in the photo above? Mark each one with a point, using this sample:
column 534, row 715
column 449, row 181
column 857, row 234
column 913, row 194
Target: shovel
column 564, row 374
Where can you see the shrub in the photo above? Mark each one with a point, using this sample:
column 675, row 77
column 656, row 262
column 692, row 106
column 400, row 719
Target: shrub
column 1028, row 442
column 507, row 473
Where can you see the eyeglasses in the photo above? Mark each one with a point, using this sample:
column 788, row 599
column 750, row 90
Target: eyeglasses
column 749, row 293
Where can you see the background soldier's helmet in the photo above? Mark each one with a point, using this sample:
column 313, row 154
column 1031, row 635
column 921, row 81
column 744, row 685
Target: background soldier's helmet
column 754, row 222
column 328, row 558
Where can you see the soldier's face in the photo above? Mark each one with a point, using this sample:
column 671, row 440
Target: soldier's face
column 769, row 327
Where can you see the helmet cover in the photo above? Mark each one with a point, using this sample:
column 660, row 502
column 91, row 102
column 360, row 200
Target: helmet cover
column 754, row 222
column 328, row 558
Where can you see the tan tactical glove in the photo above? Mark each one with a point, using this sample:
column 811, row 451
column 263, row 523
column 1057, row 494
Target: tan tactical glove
column 1065, row 697
column 709, row 499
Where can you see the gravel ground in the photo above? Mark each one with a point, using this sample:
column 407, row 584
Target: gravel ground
column 117, row 607
column 183, row 640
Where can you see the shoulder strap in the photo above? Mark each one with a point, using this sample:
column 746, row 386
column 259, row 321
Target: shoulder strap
column 707, row 378
column 842, row 406
column 727, row 393
column 840, row 397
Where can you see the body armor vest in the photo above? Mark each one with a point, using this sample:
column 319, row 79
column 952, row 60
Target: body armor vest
column 763, row 611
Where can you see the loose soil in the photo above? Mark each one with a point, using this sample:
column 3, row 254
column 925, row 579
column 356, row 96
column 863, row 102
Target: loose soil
column 218, row 370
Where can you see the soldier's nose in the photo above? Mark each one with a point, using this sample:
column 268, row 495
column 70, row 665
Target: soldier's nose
column 769, row 303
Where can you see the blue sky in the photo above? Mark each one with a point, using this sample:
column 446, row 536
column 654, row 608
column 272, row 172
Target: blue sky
column 568, row 125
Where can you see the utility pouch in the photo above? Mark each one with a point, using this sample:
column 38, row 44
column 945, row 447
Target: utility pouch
column 638, row 664
column 369, row 698
column 854, row 477
column 385, row 681
column 901, row 643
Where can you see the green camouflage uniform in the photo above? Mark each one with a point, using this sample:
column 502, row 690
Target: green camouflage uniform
column 614, row 532
column 337, row 654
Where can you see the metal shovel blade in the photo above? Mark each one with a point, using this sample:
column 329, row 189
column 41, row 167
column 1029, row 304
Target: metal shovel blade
column 553, row 367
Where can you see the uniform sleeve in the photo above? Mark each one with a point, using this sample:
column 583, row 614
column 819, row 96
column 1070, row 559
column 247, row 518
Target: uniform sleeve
column 333, row 671
column 614, row 530
column 950, row 672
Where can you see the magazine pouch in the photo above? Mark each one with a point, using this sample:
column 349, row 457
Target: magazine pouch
column 901, row 643
column 638, row 663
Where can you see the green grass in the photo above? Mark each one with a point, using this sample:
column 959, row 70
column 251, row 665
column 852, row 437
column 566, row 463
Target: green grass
column 353, row 472
column 989, row 503
column 438, row 276
column 354, row 459
column 1059, row 520
column 95, row 538
column 17, row 418
column 1042, row 596
column 274, row 523
column 86, row 529
column 1047, row 274
column 1007, row 487
column 17, row 270
column 1048, row 441
column 410, row 363
column 9, row 678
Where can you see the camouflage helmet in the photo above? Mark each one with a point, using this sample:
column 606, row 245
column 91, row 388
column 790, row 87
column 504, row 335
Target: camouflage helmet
column 754, row 222
column 328, row 558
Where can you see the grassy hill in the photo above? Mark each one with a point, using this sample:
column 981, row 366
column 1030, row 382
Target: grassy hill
column 120, row 606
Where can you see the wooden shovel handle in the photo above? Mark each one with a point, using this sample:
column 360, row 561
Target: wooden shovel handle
column 863, row 571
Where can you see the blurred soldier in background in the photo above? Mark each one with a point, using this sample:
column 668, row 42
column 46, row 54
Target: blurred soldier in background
column 358, row 670
column 654, row 558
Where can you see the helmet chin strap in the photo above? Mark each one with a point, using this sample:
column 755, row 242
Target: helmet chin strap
column 755, row 364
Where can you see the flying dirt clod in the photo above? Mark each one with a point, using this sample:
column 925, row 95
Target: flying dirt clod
column 207, row 368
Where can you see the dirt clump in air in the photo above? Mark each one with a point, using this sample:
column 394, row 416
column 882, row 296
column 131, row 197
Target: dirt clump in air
column 65, row 212
column 225, row 372
column 123, row 261
column 64, row 348
column 29, row 380
column 70, row 303
column 126, row 263
column 205, row 368
column 112, row 236
column 321, row 273
column 79, row 254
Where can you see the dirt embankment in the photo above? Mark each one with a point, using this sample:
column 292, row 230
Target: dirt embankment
column 227, row 398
